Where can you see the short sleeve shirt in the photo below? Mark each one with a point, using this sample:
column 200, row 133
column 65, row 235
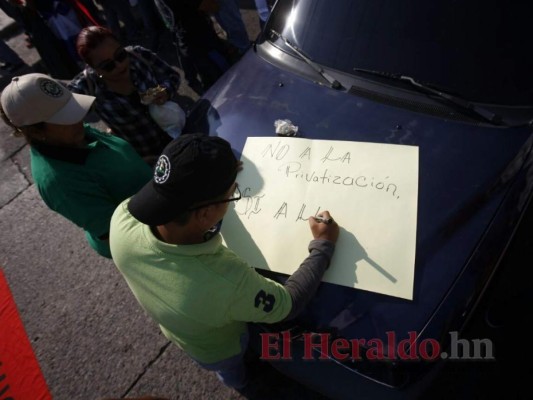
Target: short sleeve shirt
column 201, row 295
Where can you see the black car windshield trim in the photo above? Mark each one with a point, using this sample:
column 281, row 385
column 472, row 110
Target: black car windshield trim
column 463, row 104
column 335, row 84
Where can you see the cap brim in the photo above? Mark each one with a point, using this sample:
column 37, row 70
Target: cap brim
column 151, row 208
column 74, row 111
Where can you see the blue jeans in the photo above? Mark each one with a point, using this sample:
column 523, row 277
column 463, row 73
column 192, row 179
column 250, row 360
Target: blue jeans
column 231, row 371
column 262, row 10
column 230, row 19
column 117, row 11
column 150, row 16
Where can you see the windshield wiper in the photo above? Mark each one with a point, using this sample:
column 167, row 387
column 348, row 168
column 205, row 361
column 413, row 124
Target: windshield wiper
column 335, row 84
column 466, row 105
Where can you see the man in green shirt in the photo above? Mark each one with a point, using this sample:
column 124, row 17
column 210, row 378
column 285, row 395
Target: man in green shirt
column 165, row 242
column 80, row 172
column 86, row 184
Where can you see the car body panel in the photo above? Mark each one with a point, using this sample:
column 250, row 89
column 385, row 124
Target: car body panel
column 460, row 171
column 475, row 183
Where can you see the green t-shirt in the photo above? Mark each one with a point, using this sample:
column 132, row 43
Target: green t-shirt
column 85, row 185
column 201, row 295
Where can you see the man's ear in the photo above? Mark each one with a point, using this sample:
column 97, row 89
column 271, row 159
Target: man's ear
column 203, row 216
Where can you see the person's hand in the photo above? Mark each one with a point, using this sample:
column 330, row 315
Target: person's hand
column 323, row 226
column 161, row 98
column 156, row 95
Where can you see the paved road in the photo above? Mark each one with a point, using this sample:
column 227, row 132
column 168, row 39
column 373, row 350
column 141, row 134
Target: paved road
column 90, row 337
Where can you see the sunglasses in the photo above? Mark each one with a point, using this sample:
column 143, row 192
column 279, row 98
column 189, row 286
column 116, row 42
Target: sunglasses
column 110, row 65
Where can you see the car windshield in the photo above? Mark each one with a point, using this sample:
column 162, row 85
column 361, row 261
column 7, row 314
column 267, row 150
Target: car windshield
column 480, row 50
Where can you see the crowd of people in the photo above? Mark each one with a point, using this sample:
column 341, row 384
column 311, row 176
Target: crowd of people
column 52, row 28
column 153, row 201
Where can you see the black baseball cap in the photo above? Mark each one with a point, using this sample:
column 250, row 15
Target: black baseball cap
column 192, row 168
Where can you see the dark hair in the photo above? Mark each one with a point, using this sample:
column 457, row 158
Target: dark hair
column 90, row 38
column 182, row 218
column 28, row 131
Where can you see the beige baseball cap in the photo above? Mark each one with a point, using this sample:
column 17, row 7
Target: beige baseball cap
column 33, row 98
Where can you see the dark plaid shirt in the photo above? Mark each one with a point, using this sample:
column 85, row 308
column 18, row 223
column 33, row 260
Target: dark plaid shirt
column 125, row 114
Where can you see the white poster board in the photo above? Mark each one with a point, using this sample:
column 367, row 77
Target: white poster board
column 370, row 189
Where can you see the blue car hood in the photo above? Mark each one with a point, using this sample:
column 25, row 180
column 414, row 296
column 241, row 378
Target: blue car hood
column 466, row 172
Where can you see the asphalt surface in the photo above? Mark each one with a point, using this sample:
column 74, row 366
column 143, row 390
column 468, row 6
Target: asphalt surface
column 91, row 338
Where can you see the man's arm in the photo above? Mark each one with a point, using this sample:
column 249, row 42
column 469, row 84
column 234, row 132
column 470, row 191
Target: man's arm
column 303, row 284
column 260, row 299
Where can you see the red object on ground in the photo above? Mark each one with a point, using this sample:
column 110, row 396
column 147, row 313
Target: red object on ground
column 20, row 375
column 84, row 15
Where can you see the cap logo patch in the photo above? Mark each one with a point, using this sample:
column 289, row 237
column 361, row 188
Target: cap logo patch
column 50, row 88
column 162, row 169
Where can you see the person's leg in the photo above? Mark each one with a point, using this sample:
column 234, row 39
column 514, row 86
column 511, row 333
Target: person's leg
column 111, row 18
column 232, row 371
column 263, row 11
column 152, row 23
column 116, row 11
column 186, row 63
column 150, row 16
column 230, row 19
column 193, row 51
column 123, row 10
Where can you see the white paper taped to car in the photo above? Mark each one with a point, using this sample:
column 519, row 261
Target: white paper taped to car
column 371, row 190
